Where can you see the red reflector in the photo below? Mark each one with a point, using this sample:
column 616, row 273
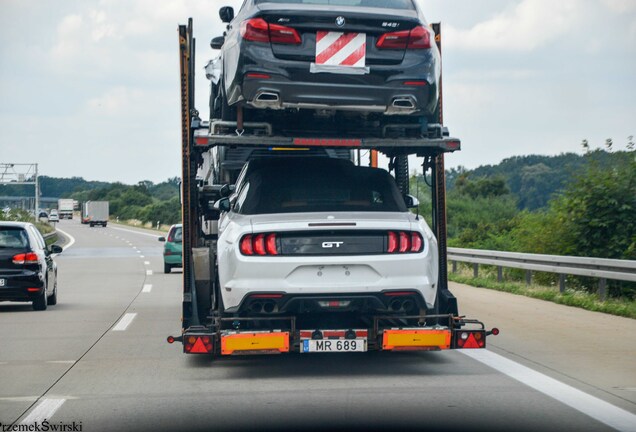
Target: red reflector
column 266, row 296
column 415, row 83
column 495, row 331
column 405, row 242
column 258, row 76
column 471, row 342
column 453, row 145
column 25, row 258
column 199, row 347
column 246, row 245
column 416, row 242
column 201, row 141
column 397, row 293
column 259, row 244
column 33, row 289
column 255, row 30
column 270, row 245
column 327, row 142
column 392, row 246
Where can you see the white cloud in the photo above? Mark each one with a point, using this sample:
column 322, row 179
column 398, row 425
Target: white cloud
column 116, row 101
column 620, row 6
column 527, row 26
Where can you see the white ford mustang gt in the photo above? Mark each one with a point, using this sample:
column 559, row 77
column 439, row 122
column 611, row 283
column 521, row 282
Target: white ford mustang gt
column 322, row 235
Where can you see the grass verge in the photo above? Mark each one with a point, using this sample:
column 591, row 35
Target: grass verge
column 583, row 300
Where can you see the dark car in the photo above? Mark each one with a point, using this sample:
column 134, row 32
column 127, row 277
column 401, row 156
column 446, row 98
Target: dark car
column 27, row 270
column 370, row 56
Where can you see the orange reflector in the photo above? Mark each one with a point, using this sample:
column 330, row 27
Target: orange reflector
column 255, row 343
column 422, row 339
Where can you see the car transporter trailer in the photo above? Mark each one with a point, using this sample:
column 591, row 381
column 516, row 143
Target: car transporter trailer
column 205, row 330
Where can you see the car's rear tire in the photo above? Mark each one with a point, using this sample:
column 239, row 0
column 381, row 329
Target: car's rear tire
column 52, row 300
column 40, row 303
column 167, row 268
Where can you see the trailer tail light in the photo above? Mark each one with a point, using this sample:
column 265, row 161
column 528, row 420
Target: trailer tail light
column 258, row 30
column 198, row 345
column 465, row 339
column 263, row 244
column 25, row 258
column 417, row 38
column 404, row 242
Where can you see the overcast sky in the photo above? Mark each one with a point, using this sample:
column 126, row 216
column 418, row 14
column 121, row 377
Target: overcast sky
column 90, row 88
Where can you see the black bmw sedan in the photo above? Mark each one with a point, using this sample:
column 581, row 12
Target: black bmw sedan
column 370, row 56
column 27, row 270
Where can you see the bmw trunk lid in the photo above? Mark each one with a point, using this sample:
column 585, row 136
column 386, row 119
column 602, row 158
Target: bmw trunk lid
column 308, row 20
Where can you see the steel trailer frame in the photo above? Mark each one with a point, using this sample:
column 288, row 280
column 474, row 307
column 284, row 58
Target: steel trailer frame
column 199, row 136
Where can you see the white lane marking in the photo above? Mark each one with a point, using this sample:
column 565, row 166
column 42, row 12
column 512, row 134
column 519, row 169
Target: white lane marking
column 147, row 262
column 134, row 247
column 62, row 361
column 19, row 399
column 138, row 251
column 137, row 232
column 148, row 272
column 124, row 322
column 596, row 408
column 141, row 256
column 71, row 241
column 147, row 288
column 43, row 411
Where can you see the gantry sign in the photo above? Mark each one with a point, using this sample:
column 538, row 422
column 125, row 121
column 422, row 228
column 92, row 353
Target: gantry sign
column 21, row 174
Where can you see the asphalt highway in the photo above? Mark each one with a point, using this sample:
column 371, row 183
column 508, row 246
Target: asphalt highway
column 98, row 361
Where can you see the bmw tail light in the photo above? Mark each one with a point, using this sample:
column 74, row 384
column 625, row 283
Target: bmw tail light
column 420, row 38
column 404, row 242
column 255, row 30
column 283, row 35
column 417, row 38
column 264, row 244
column 25, row 258
column 258, row 30
column 395, row 40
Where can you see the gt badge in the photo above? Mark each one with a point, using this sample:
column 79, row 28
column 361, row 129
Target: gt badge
column 329, row 245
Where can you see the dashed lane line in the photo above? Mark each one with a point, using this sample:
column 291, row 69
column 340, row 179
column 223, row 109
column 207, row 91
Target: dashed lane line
column 148, row 272
column 136, row 232
column 596, row 408
column 147, row 288
column 44, row 410
column 124, row 322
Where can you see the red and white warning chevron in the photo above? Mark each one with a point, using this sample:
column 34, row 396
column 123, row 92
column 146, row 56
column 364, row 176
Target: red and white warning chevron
column 341, row 49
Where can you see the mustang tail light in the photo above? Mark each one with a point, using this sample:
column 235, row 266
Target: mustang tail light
column 258, row 30
column 25, row 258
column 416, row 38
column 259, row 244
column 404, row 242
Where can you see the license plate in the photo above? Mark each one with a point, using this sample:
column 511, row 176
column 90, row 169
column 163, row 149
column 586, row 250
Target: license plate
column 2, row 282
column 333, row 345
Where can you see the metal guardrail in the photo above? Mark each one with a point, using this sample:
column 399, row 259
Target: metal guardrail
column 600, row 268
